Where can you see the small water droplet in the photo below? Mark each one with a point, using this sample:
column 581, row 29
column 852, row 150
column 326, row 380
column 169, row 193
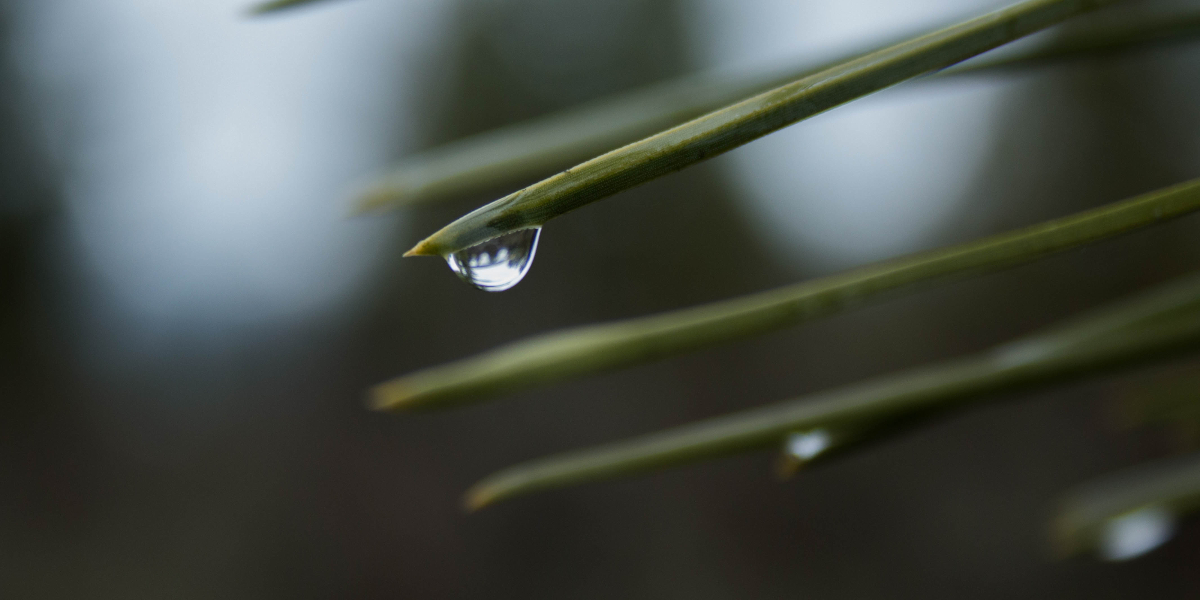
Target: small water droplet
column 1136, row 533
column 499, row 263
column 806, row 446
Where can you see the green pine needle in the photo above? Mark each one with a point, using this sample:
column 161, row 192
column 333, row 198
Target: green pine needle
column 1153, row 326
column 1171, row 486
column 745, row 121
column 584, row 350
column 529, row 149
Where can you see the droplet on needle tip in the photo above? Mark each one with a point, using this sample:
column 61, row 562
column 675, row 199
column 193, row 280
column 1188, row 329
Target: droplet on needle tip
column 497, row 264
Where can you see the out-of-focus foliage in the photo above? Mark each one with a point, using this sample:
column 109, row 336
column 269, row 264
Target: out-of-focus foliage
column 744, row 121
column 164, row 440
column 571, row 353
column 532, row 148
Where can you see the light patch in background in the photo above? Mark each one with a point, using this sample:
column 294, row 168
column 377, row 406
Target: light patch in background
column 1136, row 533
column 208, row 154
column 867, row 180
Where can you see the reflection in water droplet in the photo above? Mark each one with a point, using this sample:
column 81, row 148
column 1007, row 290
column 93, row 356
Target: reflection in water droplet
column 1136, row 533
column 499, row 263
column 806, row 446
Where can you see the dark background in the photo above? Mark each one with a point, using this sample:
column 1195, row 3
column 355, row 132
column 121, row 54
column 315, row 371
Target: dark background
column 238, row 461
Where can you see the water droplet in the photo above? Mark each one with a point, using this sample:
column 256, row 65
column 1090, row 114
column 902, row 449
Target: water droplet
column 499, row 263
column 806, row 446
column 1136, row 533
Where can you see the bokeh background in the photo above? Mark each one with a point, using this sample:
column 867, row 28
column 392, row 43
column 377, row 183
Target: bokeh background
column 188, row 319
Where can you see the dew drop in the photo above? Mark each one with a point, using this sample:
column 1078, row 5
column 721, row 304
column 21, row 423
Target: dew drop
column 1136, row 533
column 806, row 446
column 499, row 263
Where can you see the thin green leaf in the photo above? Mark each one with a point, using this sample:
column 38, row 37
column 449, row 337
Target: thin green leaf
column 1137, row 32
column 1168, row 303
column 1167, row 489
column 1129, row 334
column 745, row 121
column 584, row 350
column 532, row 148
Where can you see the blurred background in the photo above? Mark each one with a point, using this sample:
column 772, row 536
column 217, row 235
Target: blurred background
column 189, row 320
